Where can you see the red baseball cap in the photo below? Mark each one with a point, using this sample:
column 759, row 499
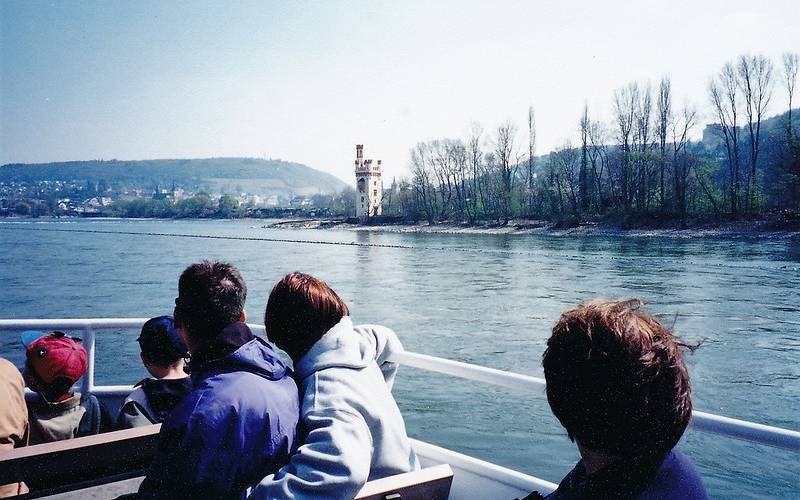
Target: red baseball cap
column 56, row 355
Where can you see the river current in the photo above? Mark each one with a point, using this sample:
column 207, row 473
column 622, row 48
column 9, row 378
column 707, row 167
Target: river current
column 484, row 299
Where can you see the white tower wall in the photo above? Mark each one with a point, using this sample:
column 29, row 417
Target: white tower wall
column 369, row 188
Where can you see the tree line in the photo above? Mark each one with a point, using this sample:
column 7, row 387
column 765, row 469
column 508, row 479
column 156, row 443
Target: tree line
column 640, row 164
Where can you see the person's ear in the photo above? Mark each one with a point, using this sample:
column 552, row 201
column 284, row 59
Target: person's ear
column 29, row 381
column 243, row 317
column 177, row 320
column 30, row 378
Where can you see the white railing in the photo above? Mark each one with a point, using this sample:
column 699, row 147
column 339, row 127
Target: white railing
column 735, row 428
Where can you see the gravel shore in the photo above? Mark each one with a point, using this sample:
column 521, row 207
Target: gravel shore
column 733, row 230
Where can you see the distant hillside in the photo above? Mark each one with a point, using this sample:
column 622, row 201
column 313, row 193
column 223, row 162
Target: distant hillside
column 258, row 176
column 772, row 126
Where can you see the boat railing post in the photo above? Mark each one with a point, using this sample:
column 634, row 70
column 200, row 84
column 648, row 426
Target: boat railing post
column 87, row 384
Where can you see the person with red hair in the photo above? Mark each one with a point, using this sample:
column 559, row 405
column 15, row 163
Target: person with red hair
column 355, row 431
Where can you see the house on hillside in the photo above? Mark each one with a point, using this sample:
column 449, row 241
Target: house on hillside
column 300, row 202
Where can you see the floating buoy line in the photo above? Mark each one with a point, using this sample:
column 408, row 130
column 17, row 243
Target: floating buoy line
column 386, row 245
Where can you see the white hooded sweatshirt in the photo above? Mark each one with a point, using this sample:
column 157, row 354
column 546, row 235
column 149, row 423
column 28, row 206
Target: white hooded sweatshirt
column 355, row 432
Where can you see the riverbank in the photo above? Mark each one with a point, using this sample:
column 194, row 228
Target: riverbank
column 762, row 229
column 752, row 229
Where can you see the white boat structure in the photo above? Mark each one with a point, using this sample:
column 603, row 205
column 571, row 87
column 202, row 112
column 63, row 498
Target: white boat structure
column 472, row 478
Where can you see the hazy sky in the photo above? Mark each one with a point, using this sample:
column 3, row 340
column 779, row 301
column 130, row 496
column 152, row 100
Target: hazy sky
column 306, row 81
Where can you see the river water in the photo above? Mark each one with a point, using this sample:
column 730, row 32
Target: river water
column 485, row 299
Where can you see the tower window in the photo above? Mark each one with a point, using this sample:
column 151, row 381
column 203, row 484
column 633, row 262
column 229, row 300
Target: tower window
column 362, row 199
column 375, row 192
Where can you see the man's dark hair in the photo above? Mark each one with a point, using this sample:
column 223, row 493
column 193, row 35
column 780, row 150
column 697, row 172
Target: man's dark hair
column 299, row 311
column 616, row 379
column 211, row 296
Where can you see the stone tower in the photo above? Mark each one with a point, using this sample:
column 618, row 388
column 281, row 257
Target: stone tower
column 369, row 189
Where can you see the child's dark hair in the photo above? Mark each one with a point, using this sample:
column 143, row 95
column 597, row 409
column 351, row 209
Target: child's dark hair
column 616, row 379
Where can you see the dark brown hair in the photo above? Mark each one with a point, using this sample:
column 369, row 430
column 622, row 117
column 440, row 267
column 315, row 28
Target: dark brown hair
column 211, row 296
column 616, row 379
column 299, row 311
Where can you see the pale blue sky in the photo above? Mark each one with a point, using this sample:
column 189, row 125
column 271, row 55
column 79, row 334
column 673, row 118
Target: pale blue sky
column 307, row 81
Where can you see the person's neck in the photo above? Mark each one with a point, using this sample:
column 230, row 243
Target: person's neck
column 594, row 461
column 173, row 372
column 53, row 400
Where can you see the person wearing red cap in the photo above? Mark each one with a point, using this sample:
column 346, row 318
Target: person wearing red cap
column 53, row 363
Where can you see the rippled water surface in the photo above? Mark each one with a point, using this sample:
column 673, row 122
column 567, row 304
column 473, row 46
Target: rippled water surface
column 483, row 299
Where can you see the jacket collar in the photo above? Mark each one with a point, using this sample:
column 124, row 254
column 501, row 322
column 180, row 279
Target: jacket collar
column 228, row 340
column 44, row 406
column 236, row 349
column 625, row 479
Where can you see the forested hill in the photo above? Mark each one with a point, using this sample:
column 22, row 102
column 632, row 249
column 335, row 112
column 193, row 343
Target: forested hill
column 252, row 175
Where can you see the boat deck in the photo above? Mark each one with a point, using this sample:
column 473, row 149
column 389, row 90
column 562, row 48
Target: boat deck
column 104, row 491
column 473, row 478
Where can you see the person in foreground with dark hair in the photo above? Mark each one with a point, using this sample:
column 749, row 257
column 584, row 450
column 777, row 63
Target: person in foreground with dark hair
column 162, row 353
column 355, row 431
column 617, row 383
column 239, row 422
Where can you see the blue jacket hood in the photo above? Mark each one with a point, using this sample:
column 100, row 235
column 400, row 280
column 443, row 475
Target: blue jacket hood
column 255, row 356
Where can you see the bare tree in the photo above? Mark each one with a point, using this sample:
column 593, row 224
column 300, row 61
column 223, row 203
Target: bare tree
column 553, row 184
column 475, row 155
column 663, row 118
column 644, row 106
column 625, row 100
column 531, row 177
column 407, row 198
column 459, row 162
column 723, row 92
column 567, row 166
column 583, row 175
column 507, row 167
column 681, row 127
column 701, row 180
column 755, row 82
column 441, row 162
column 790, row 65
column 792, row 162
column 600, row 167
column 493, row 186
column 423, row 183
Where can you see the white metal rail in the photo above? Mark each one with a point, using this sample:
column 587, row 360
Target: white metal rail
column 735, row 428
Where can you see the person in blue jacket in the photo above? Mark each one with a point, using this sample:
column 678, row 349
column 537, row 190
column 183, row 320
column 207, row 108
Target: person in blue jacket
column 617, row 383
column 239, row 422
